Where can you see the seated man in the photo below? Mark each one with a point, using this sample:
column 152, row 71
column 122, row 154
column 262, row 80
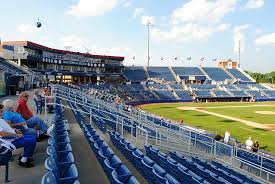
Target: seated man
column 17, row 121
column 255, row 147
column 22, row 107
column 18, row 140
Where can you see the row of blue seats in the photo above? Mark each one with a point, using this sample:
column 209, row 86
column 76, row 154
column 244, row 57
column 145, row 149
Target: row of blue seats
column 60, row 163
column 152, row 172
column 197, row 166
column 254, row 159
column 115, row 170
column 178, row 170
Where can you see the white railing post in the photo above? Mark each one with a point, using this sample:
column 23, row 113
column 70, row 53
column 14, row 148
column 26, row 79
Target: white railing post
column 90, row 115
column 45, row 106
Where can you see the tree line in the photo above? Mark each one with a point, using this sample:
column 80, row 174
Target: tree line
column 262, row 77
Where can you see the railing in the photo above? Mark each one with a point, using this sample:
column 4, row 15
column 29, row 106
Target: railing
column 179, row 139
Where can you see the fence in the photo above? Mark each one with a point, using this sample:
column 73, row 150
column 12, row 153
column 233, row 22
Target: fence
column 145, row 130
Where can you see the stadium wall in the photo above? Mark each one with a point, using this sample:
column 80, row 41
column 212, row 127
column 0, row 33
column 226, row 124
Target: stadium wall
column 134, row 103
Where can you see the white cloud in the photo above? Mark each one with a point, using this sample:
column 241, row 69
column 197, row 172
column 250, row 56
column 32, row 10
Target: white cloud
column 138, row 12
column 86, row 8
column 239, row 38
column 254, row 4
column 79, row 44
column 266, row 40
column 27, row 28
column 126, row 3
column 259, row 31
column 204, row 11
column 148, row 19
column 188, row 32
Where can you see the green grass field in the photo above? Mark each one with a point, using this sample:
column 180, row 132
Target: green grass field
column 216, row 124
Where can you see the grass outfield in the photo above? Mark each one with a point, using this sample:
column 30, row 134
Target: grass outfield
column 213, row 123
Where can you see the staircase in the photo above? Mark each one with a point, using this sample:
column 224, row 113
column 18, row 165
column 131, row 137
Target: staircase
column 207, row 76
column 228, row 73
column 146, row 72
column 25, row 69
column 176, row 77
column 173, row 92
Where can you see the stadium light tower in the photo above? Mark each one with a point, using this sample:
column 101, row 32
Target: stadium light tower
column 149, row 24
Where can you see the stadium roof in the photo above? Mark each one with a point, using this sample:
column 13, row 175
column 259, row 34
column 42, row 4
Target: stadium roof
column 42, row 47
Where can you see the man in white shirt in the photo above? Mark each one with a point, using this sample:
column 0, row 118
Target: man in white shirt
column 226, row 137
column 249, row 143
column 18, row 140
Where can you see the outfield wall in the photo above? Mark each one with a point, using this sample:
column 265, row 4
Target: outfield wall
column 134, row 103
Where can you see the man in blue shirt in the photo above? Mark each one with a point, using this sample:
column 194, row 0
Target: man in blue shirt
column 34, row 126
column 16, row 121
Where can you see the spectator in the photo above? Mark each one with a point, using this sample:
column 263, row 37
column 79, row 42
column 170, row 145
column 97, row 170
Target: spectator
column 18, row 140
column 16, row 120
column 38, row 101
column 255, row 147
column 249, row 143
column 218, row 137
column 21, row 85
column 226, row 137
column 22, row 107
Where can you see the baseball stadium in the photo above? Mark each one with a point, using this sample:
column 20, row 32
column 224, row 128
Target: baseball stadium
column 71, row 112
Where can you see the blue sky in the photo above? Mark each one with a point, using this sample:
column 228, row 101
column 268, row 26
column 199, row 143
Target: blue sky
column 181, row 28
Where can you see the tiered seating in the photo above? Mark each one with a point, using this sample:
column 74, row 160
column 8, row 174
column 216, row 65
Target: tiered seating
column 184, row 95
column 60, row 164
column 239, row 93
column 259, row 86
column 267, row 164
column 220, row 93
column 157, row 86
column 242, row 86
column 239, row 75
column 160, row 73
column 210, row 172
column 270, row 93
column 205, row 87
column 115, row 170
column 257, row 94
column 188, row 71
column 134, row 73
column 216, row 74
column 204, row 94
column 185, row 171
column 228, row 86
column 165, row 94
column 4, row 65
column 176, row 86
column 148, row 168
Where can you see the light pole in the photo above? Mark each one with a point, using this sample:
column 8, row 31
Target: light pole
column 148, row 43
column 239, row 53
